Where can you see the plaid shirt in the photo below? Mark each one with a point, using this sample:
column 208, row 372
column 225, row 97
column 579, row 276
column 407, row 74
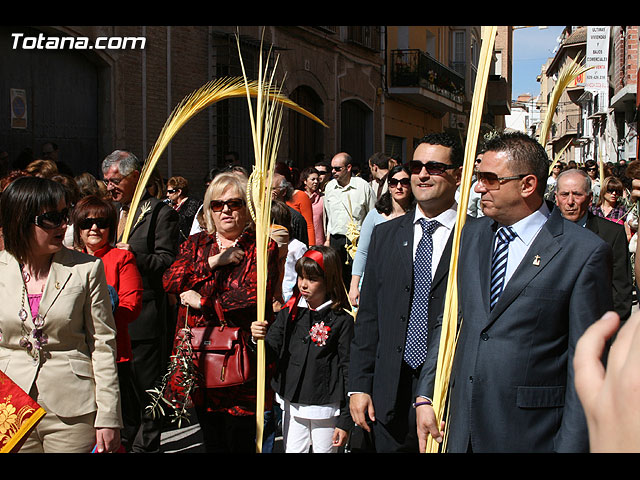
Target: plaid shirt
column 616, row 214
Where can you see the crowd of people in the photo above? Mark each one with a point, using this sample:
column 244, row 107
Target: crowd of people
column 96, row 323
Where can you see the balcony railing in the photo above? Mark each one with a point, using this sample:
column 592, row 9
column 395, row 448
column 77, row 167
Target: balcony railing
column 569, row 125
column 413, row 68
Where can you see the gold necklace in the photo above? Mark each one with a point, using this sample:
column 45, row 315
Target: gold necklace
column 37, row 335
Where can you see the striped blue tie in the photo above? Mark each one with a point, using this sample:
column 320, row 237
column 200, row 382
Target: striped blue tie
column 416, row 343
column 499, row 263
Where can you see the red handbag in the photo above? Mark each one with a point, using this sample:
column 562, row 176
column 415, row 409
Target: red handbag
column 223, row 358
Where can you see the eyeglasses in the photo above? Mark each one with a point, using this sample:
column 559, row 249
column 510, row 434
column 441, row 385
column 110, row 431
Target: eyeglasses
column 613, row 190
column 433, row 168
column 114, row 181
column 491, row 181
column 337, row 169
column 405, row 182
column 234, row 204
column 88, row 223
column 51, row 220
column 172, row 190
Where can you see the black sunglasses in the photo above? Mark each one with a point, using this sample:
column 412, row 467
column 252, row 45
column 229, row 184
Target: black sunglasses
column 405, row 182
column 172, row 190
column 51, row 220
column 433, row 168
column 87, row 223
column 233, row 204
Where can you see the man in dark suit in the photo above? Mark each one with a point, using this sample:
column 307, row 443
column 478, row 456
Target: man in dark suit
column 402, row 295
column 153, row 241
column 573, row 197
column 530, row 283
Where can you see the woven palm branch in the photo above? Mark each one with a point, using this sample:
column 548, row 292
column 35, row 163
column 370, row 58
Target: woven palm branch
column 210, row 93
column 449, row 332
column 567, row 75
column 266, row 129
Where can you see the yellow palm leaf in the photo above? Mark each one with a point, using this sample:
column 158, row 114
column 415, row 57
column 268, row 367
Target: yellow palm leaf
column 449, row 331
column 210, row 93
column 567, row 75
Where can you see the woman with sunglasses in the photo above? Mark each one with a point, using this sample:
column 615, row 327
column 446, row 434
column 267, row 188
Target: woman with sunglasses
column 219, row 265
column 181, row 202
column 57, row 332
column 94, row 230
column 609, row 204
column 393, row 203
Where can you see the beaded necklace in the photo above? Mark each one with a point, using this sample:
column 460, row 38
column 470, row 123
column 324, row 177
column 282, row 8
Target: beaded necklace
column 33, row 340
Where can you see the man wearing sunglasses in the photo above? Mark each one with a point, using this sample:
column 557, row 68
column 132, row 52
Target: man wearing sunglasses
column 402, row 298
column 152, row 240
column 346, row 198
column 530, row 283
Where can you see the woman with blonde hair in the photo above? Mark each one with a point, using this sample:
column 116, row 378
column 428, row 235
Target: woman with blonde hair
column 217, row 267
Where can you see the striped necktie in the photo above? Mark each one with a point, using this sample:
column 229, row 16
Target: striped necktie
column 416, row 343
column 499, row 262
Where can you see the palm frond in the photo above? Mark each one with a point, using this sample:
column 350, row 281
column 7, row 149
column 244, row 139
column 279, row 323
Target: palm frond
column 449, row 330
column 567, row 75
column 205, row 96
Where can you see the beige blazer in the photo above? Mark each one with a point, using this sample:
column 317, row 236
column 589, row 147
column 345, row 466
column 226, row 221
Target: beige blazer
column 78, row 373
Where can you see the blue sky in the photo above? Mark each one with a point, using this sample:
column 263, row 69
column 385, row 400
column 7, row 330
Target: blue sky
column 531, row 48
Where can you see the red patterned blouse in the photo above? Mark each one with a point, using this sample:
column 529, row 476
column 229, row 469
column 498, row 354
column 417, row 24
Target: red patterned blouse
column 236, row 288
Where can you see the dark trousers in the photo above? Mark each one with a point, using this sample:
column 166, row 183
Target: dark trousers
column 224, row 433
column 148, row 366
column 399, row 434
column 130, row 403
column 339, row 244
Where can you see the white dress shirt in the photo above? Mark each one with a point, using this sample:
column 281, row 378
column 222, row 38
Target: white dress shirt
column 526, row 230
column 447, row 220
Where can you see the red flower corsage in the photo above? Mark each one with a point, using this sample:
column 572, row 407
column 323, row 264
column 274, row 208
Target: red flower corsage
column 319, row 333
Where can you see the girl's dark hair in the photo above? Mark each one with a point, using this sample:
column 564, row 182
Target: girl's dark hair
column 384, row 204
column 332, row 275
column 92, row 206
column 21, row 202
column 280, row 214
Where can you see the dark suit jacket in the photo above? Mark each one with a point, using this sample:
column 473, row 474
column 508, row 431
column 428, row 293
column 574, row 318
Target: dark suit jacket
column 385, row 301
column 307, row 372
column 153, row 240
column 512, row 384
column 622, row 281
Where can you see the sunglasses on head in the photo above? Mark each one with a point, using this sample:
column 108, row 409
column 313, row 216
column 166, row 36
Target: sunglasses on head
column 233, row 204
column 88, row 223
column 50, row 220
column 433, row 168
column 405, row 182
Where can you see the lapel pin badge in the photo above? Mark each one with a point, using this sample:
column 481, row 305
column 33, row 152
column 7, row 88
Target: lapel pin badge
column 57, row 285
column 405, row 243
column 536, row 261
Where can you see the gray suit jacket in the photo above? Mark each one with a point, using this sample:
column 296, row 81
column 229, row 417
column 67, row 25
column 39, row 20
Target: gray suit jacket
column 512, row 386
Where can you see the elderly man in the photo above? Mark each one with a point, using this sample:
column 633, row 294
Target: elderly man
column 152, row 240
column 347, row 200
column 530, row 283
column 573, row 197
column 402, row 297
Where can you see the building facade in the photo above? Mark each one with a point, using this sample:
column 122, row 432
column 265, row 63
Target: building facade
column 378, row 88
